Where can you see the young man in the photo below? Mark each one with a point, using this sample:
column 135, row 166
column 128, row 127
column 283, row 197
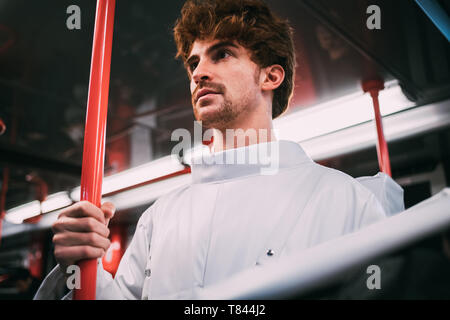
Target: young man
column 240, row 61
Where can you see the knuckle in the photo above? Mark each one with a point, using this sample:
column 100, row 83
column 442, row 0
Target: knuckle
column 108, row 208
column 67, row 211
column 56, row 238
column 85, row 251
column 83, row 206
column 64, row 212
column 91, row 237
column 58, row 252
column 91, row 252
column 90, row 223
column 107, row 244
column 56, row 226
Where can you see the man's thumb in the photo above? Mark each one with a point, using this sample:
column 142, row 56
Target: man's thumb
column 109, row 210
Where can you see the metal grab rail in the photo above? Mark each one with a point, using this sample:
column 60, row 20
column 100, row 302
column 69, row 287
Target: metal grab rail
column 323, row 265
column 437, row 15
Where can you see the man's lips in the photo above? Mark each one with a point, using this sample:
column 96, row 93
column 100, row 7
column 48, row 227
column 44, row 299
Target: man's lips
column 204, row 92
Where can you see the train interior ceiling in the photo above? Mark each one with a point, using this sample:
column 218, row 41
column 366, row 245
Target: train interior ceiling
column 44, row 82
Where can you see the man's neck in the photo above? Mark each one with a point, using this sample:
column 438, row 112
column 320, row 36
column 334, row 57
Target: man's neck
column 253, row 130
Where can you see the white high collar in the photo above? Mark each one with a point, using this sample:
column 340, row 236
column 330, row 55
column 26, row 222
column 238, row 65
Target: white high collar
column 254, row 159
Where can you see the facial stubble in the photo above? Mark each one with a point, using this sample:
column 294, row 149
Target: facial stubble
column 228, row 112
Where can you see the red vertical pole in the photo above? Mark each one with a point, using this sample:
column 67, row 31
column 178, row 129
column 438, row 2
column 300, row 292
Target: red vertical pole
column 374, row 87
column 95, row 130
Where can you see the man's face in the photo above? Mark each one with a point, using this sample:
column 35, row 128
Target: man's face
column 224, row 83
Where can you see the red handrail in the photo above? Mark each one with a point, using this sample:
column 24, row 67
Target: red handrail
column 94, row 138
column 374, row 87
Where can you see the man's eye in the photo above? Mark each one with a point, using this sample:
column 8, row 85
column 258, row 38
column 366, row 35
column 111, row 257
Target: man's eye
column 192, row 66
column 222, row 54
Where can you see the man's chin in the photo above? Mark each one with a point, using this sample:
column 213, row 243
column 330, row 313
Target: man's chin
column 208, row 109
column 212, row 120
column 215, row 116
column 207, row 113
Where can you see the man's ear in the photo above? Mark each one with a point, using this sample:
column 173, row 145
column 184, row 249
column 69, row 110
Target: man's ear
column 273, row 77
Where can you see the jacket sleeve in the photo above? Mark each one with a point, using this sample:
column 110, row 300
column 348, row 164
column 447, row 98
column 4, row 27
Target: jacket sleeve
column 372, row 211
column 129, row 279
column 53, row 287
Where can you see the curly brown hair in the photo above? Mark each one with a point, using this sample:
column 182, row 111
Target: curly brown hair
column 249, row 22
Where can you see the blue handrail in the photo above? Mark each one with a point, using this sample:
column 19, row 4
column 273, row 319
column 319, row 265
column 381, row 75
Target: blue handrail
column 437, row 15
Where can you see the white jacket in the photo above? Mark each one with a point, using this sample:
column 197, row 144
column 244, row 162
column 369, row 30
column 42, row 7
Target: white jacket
column 231, row 218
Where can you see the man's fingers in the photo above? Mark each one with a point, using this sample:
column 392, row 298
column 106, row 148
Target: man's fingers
column 80, row 239
column 81, row 232
column 80, row 225
column 86, row 209
column 83, row 209
column 70, row 255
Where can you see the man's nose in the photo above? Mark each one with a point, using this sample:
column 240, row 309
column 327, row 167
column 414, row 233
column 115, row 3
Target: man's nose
column 202, row 72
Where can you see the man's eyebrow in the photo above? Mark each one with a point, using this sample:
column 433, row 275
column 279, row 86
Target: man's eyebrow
column 214, row 47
